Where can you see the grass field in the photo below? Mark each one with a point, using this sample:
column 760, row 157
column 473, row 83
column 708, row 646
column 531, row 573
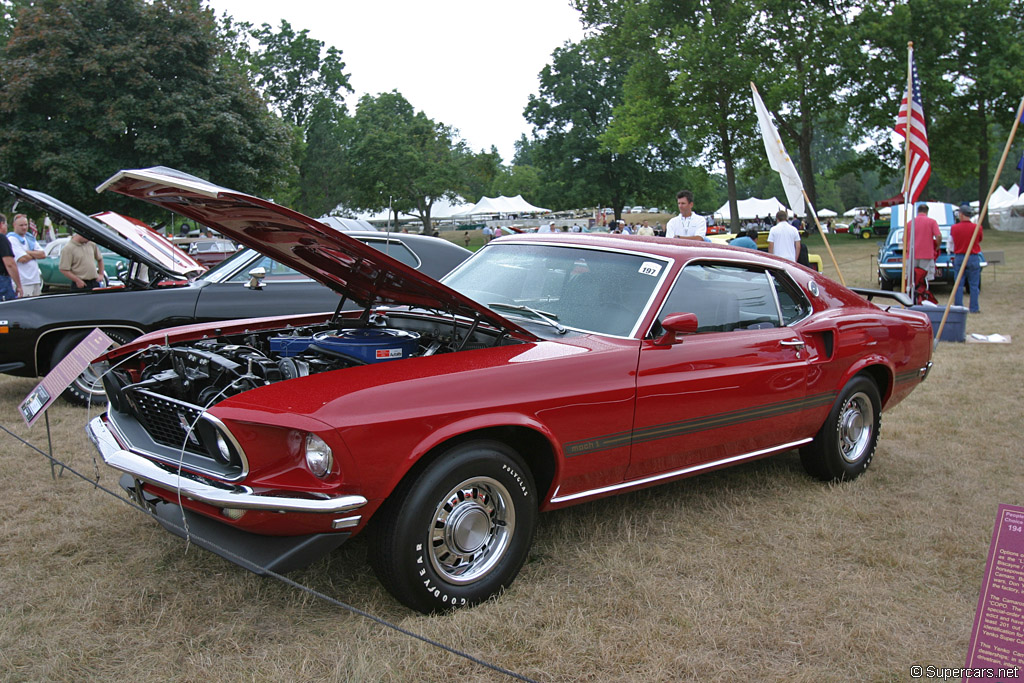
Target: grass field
column 751, row 573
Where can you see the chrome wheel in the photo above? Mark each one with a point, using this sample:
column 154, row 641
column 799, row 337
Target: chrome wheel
column 472, row 528
column 856, row 421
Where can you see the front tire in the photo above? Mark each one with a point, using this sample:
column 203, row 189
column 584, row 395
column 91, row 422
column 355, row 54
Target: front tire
column 845, row 444
column 87, row 388
column 459, row 532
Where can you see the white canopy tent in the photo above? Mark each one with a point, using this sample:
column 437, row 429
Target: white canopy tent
column 441, row 210
column 500, row 205
column 827, row 213
column 1009, row 215
column 751, row 208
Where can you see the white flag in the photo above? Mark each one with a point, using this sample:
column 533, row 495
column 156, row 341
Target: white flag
column 777, row 157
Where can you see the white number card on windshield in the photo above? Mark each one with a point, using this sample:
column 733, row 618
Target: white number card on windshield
column 650, row 268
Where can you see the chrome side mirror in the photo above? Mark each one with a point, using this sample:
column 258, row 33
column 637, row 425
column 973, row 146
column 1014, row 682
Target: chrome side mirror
column 256, row 276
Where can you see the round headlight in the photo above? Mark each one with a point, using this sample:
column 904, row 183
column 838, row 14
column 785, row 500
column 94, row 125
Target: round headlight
column 319, row 457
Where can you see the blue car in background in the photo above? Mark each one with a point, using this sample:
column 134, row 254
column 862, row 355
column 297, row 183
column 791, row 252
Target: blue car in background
column 890, row 252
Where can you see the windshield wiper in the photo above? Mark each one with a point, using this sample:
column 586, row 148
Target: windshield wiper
column 545, row 317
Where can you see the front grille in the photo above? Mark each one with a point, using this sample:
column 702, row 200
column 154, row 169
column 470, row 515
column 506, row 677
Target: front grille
column 168, row 421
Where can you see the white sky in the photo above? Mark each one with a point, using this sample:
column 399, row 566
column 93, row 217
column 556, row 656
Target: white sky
column 469, row 64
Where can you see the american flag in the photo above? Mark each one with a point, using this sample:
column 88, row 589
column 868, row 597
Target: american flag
column 920, row 161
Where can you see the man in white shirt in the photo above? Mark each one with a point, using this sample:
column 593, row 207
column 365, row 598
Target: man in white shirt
column 783, row 238
column 26, row 253
column 687, row 225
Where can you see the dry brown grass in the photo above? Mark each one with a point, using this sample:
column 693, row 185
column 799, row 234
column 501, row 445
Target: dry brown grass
column 752, row 573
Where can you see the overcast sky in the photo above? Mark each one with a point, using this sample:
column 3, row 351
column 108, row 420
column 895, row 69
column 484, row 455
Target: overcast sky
column 470, row 64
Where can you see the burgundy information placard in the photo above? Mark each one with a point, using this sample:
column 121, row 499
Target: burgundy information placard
column 997, row 641
column 65, row 372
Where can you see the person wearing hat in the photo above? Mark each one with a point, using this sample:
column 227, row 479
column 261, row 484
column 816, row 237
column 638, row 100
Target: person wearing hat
column 961, row 233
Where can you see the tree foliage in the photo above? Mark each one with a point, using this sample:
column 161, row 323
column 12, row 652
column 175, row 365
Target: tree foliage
column 92, row 87
column 399, row 158
column 295, row 73
column 579, row 90
column 969, row 57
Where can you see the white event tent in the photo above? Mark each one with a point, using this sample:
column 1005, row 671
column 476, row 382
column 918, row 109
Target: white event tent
column 1007, row 213
column 441, row 209
column 751, row 208
column 827, row 213
column 500, row 205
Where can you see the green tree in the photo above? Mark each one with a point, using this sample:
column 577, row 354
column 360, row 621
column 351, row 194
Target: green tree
column 688, row 82
column 578, row 93
column 295, row 72
column 90, row 88
column 969, row 57
column 399, row 158
column 480, row 172
column 323, row 161
column 798, row 38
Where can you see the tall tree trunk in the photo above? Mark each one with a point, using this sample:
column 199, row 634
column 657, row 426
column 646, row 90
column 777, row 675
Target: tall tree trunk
column 730, row 166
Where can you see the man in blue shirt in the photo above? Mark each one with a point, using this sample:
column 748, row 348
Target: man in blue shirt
column 747, row 240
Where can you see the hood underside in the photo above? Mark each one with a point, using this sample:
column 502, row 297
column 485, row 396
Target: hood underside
column 355, row 270
column 120, row 234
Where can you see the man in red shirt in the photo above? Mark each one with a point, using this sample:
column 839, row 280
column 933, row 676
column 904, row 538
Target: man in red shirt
column 961, row 235
column 927, row 240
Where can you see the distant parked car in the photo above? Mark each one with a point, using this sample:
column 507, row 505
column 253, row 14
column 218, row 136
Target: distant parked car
column 211, row 251
column 890, row 260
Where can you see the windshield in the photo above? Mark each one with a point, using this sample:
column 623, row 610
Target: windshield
column 557, row 286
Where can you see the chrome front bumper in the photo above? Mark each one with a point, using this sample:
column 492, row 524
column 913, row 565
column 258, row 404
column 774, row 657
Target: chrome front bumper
column 230, row 496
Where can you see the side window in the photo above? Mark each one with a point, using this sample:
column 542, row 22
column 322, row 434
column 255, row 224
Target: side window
column 275, row 271
column 792, row 301
column 724, row 297
column 397, row 250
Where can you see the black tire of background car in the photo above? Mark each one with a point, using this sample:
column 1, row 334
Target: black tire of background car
column 843, row 447
column 474, row 484
column 81, row 392
column 886, row 284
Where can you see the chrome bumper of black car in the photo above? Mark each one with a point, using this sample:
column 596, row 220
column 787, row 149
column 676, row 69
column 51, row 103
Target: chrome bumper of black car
column 218, row 495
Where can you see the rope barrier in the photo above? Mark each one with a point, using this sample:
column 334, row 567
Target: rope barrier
column 283, row 579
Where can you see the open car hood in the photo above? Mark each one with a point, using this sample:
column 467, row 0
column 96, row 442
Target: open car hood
column 120, row 234
column 346, row 265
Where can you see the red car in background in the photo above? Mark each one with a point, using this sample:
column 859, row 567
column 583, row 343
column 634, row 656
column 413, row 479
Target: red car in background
column 211, row 251
column 546, row 370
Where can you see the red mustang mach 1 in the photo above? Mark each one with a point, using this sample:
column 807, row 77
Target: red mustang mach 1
column 546, row 370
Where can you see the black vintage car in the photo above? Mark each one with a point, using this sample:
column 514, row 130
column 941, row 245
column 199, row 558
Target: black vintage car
column 36, row 333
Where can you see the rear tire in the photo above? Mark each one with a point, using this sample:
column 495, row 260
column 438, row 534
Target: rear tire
column 88, row 387
column 845, row 444
column 459, row 532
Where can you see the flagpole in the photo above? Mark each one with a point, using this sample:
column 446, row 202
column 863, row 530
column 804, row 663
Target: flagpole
column 822, row 233
column 906, row 163
column 981, row 219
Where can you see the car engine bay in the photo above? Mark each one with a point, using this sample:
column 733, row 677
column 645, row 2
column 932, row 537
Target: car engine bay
column 205, row 372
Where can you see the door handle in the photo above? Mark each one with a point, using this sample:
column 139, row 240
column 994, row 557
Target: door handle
column 797, row 345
